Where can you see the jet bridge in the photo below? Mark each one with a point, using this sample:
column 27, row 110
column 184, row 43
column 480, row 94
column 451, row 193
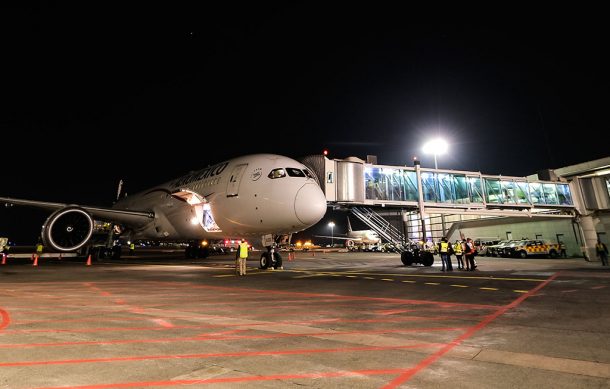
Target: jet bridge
column 368, row 190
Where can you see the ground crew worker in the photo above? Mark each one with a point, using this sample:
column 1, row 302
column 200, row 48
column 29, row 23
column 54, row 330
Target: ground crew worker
column 469, row 252
column 443, row 248
column 562, row 250
column 457, row 249
column 602, row 252
column 39, row 248
column 132, row 248
column 241, row 257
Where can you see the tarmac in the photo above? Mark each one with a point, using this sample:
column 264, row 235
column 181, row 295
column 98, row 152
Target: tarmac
column 328, row 320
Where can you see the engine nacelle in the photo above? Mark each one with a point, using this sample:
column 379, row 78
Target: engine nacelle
column 67, row 229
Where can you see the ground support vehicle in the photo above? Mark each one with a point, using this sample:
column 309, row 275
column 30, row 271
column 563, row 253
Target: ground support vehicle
column 527, row 248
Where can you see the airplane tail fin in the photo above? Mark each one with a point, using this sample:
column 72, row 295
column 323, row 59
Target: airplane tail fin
column 119, row 189
column 349, row 226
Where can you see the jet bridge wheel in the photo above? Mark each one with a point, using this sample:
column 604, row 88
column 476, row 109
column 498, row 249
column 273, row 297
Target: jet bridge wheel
column 407, row 258
column 427, row 259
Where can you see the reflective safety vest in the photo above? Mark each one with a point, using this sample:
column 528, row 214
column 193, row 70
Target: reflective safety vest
column 444, row 247
column 600, row 248
column 39, row 248
column 458, row 248
column 243, row 250
column 132, row 246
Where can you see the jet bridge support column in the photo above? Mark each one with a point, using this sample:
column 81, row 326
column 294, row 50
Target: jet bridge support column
column 589, row 237
column 420, row 201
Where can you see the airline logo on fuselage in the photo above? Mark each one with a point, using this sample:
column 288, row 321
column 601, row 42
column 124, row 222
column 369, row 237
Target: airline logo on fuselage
column 256, row 174
column 210, row 171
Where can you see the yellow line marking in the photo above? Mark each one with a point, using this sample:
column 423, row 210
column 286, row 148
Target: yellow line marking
column 352, row 276
column 387, row 279
column 488, row 288
column 369, row 278
column 520, row 291
column 432, row 283
column 461, row 286
column 450, row 276
column 409, row 281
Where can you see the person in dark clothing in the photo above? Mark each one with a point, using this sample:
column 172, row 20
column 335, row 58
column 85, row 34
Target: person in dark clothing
column 602, row 252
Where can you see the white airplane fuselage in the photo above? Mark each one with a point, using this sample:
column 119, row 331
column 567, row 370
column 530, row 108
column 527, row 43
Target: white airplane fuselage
column 251, row 195
column 364, row 236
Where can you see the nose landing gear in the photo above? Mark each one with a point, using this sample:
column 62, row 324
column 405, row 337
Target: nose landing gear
column 271, row 259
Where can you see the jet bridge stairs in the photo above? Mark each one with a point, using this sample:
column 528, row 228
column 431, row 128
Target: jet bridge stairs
column 397, row 242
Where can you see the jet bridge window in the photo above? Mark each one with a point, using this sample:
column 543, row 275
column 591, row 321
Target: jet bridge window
column 277, row 173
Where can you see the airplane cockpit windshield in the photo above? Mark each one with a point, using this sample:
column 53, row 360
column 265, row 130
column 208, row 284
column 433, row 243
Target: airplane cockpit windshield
column 291, row 171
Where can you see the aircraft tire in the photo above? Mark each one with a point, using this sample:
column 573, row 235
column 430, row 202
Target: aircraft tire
column 407, row 258
column 427, row 259
column 278, row 260
column 264, row 261
column 204, row 252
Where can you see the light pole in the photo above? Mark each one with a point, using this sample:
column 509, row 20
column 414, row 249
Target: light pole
column 436, row 147
column 332, row 227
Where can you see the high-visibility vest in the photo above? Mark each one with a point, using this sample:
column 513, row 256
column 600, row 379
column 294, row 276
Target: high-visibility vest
column 600, row 247
column 39, row 248
column 243, row 250
column 444, row 247
column 132, row 246
column 458, row 248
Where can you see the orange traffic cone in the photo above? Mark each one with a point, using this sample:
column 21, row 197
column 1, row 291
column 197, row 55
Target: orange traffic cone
column 89, row 260
column 35, row 260
column 4, row 259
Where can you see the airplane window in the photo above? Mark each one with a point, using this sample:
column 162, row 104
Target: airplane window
column 307, row 173
column 292, row 172
column 277, row 173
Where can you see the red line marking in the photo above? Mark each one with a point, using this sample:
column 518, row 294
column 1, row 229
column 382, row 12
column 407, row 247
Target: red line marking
column 165, row 325
column 6, row 319
column 356, row 373
column 223, row 355
column 434, row 357
column 208, row 337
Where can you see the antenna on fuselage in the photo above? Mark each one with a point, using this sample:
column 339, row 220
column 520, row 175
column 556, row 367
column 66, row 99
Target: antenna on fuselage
column 349, row 226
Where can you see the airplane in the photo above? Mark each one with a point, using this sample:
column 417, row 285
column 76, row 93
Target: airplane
column 264, row 195
column 357, row 237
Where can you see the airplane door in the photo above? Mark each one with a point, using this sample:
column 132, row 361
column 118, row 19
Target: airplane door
column 233, row 185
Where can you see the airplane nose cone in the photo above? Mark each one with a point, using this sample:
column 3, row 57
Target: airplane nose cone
column 310, row 204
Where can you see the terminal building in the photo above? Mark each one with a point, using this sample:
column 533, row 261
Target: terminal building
column 406, row 204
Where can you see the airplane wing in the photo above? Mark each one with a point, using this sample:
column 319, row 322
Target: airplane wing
column 107, row 214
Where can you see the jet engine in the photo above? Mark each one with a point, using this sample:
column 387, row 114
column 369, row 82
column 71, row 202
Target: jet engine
column 67, row 229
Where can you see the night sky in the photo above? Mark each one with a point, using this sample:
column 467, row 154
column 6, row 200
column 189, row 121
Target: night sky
column 95, row 93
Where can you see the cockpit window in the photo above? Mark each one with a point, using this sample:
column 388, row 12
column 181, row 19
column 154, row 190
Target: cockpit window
column 292, row 172
column 307, row 173
column 277, row 173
